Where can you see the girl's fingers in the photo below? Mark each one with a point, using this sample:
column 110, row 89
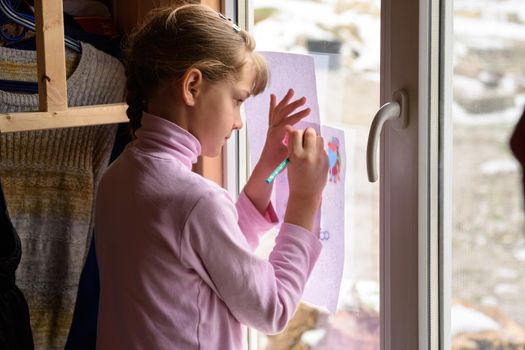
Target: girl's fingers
column 320, row 142
column 285, row 100
column 289, row 108
column 295, row 140
column 272, row 107
column 309, row 139
column 321, row 150
column 294, row 118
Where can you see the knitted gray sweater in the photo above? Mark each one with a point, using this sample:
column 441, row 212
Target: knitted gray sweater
column 49, row 179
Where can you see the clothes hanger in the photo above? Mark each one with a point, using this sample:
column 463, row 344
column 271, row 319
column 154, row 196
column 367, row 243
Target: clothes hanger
column 9, row 38
column 7, row 10
column 8, row 13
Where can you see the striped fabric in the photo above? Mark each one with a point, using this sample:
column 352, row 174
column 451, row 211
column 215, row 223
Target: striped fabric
column 24, row 68
column 49, row 179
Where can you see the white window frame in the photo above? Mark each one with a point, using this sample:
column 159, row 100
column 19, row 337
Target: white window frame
column 446, row 172
column 410, row 295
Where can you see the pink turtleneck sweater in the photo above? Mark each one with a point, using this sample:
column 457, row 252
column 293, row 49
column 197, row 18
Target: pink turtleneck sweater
column 177, row 268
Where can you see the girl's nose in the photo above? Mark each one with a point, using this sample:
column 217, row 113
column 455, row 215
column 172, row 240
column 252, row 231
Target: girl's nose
column 238, row 124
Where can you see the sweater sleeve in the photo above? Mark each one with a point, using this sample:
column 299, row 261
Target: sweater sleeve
column 252, row 224
column 260, row 293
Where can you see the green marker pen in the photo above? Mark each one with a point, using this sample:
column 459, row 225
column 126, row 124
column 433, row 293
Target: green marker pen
column 277, row 170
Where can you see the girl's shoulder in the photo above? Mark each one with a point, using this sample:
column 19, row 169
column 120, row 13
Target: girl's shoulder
column 211, row 191
column 196, row 188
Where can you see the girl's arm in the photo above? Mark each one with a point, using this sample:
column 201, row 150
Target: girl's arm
column 252, row 223
column 259, row 293
column 257, row 192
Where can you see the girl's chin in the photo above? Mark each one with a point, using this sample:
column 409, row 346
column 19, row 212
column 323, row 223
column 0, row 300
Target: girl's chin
column 212, row 153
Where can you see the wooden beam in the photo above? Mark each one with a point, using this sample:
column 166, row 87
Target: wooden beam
column 49, row 23
column 72, row 117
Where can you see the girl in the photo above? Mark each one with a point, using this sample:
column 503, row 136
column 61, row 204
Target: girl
column 177, row 268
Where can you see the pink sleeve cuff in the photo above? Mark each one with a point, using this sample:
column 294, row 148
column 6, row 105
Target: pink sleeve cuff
column 252, row 223
column 292, row 232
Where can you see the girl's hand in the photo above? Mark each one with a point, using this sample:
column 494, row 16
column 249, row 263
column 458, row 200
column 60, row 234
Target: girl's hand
column 307, row 175
column 280, row 115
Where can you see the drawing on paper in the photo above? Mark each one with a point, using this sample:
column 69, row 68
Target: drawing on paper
column 334, row 158
column 324, row 235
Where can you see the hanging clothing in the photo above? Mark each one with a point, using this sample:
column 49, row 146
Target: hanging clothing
column 73, row 29
column 49, row 179
column 175, row 253
column 83, row 332
column 91, row 8
column 15, row 329
column 517, row 146
column 25, row 69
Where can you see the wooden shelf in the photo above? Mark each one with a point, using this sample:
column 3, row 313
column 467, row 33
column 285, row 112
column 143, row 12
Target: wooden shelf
column 74, row 116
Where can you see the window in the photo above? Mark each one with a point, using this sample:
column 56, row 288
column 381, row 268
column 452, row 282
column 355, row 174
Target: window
column 344, row 38
column 487, row 233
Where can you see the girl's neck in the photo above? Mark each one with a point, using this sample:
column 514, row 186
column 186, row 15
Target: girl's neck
column 164, row 107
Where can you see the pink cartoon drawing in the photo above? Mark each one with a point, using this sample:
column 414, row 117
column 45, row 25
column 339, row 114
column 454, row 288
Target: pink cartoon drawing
column 334, row 159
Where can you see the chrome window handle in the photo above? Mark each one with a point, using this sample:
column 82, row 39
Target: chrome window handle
column 395, row 110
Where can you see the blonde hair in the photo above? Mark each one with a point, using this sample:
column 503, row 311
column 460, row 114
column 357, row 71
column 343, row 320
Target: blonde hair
column 173, row 40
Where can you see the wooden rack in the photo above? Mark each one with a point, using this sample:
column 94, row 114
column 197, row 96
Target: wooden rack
column 52, row 88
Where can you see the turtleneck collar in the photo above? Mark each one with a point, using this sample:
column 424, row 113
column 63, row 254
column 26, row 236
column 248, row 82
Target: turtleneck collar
column 164, row 139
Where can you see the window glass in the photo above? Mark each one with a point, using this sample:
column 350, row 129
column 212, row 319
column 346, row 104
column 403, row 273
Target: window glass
column 344, row 36
column 488, row 242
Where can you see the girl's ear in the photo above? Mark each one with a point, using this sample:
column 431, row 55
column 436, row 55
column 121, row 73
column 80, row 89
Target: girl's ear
column 191, row 86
